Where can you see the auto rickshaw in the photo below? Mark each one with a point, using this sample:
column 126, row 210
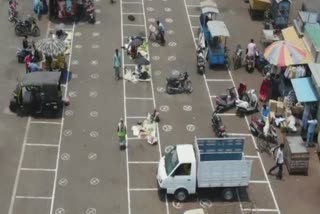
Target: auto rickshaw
column 257, row 8
column 38, row 93
column 217, row 53
column 209, row 11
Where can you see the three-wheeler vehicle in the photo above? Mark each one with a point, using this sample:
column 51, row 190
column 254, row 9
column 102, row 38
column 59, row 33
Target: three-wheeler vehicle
column 257, row 8
column 209, row 163
column 209, row 11
column 217, row 53
column 39, row 93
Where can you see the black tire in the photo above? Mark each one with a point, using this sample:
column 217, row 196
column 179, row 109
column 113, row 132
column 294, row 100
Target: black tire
column 18, row 29
column 181, row 195
column 35, row 31
column 169, row 90
column 13, row 106
column 228, row 194
column 188, row 87
column 219, row 109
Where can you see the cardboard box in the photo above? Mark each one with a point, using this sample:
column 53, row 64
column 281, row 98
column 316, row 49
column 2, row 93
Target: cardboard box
column 280, row 109
column 273, row 105
column 272, row 115
column 283, row 127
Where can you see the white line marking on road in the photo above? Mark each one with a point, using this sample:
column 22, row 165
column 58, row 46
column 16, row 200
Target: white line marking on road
column 144, row 189
column 155, row 58
column 167, row 9
column 138, row 14
column 38, row 169
column 176, row 204
column 139, row 98
column 252, row 156
column 98, row 22
column 95, row 34
column 227, row 114
column 68, row 113
column 67, row 132
column 151, row 19
column 133, row 138
column 260, row 210
column 73, row 93
column 213, row 96
column 169, row 20
column 45, row 122
column 259, row 182
column 161, row 89
column 94, row 114
column 94, row 134
column 95, row 76
column 155, row 45
column 205, row 203
column 218, row 80
column 171, row 58
column 167, row 128
column 97, row 10
column 187, row 108
column 194, row 16
column 63, row 182
column 150, row 9
column 93, row 94
column 239, row 134
column 44, row 145
column 74, row 62
column 190, row 127
column 92, row 156
column 33, row 197
column 195, row 27
column 172, row 44
column 136, row 117
column 170, row 32
column 133, row 65
column 94, row 62
column 143, row 162
column 78, row 46
column 157, row 73
column 77, row 34
column 60, row 210
column 95, row 46
column 131, row 2
column 91, row 211
column 61, row 130
column 164, row 108
column 94, row 181
column 190, row 5
column 133, row 25
column 65, row 156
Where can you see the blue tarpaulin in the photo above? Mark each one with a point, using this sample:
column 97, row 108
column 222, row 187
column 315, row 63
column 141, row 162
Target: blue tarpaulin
column 304, row 89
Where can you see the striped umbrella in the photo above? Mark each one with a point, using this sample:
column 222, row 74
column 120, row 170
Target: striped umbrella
column 284, row 53
column 51, row 46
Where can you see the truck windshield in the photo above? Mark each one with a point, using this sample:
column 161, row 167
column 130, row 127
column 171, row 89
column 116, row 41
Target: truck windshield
column 171, row 160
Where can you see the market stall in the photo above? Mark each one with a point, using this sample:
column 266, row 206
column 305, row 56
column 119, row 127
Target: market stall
column 147, row 130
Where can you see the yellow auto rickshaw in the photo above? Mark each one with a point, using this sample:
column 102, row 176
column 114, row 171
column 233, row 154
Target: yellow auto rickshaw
column 257, row 8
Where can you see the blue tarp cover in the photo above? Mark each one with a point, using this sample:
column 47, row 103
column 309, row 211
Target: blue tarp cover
column 304, row 89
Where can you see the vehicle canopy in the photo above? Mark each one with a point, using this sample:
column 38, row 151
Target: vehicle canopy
column 209, row 6
column 40, row 79
column 218, row 29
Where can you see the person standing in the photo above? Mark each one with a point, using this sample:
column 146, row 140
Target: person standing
column 117, row 64
column 312, row 124
column 122, row 132
column 161, row 30
column 48, row 61
column 79, row 12
column 279, row 162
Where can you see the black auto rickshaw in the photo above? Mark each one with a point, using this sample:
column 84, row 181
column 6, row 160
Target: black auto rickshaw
column 39, row 93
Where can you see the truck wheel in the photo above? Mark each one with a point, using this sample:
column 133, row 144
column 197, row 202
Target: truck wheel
column 228, row 194
column 181, row 195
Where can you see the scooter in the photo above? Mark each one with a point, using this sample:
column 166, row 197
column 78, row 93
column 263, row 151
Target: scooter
column 27, row 27
column 201, row 62
column 179, row 83
column 237, row 59
column 217, row 126
column 225, row 102
column 90, row 9
column 248, row 106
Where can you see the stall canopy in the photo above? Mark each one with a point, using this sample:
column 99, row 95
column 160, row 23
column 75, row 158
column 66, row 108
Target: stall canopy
column 218, row 28
column 304, row 89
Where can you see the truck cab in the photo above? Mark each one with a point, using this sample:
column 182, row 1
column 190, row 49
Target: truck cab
column 177, row 172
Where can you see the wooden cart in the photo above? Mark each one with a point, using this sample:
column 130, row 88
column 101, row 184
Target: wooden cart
column 258, row 7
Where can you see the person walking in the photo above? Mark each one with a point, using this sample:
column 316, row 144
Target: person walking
column 117, row 64
column 312, row 124
column 279, row 162
column 122, row 132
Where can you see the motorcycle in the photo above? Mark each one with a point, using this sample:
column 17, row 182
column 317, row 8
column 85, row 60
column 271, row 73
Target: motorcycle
column 249, row 105
column 250, row 64
column 217, row 126
column 237, row 58
column 262, row 64
column 27, row 27
column 90, row 9
column 179, row 83
column 201, row 62
column 225, row 101
column 155, row 35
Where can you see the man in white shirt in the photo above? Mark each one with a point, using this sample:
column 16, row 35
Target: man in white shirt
column 251, row 49
column 279, row 162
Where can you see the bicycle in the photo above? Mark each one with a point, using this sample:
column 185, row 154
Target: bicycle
column 267, row 144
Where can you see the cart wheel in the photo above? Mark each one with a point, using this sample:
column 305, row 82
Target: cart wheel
column 228, row 194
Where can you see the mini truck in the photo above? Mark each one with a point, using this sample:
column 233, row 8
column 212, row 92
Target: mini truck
column 209, row 163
